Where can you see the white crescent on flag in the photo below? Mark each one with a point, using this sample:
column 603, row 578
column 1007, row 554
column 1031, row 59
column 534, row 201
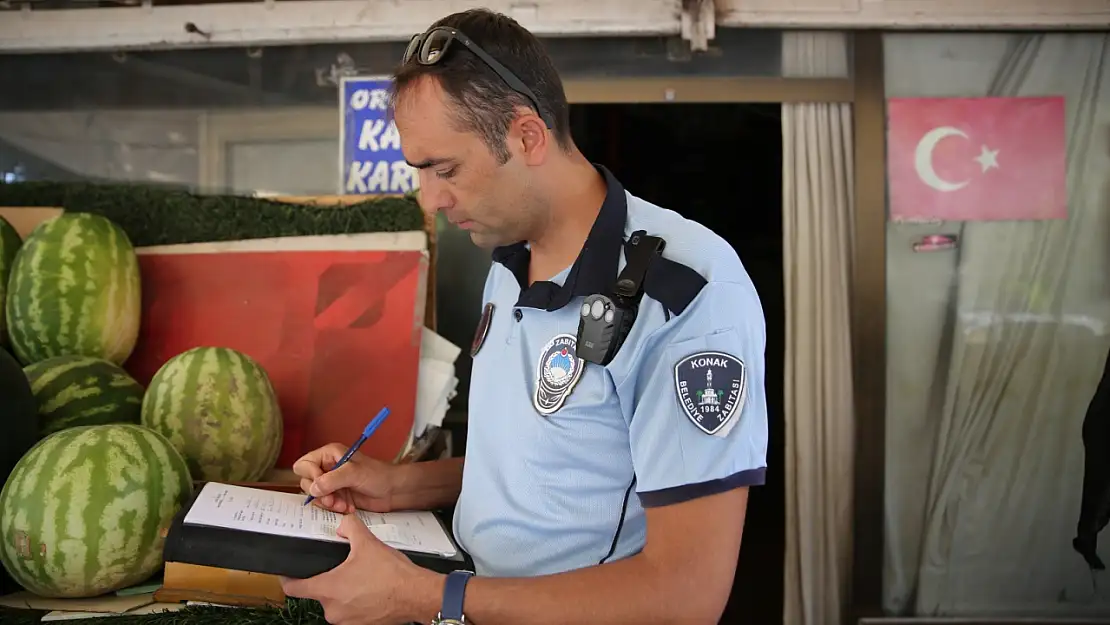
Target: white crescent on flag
column 923, row 158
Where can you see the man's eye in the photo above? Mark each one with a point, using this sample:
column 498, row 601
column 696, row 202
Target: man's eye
column 446, row 174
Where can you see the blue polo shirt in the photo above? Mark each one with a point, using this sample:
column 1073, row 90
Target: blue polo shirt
column 563, row 456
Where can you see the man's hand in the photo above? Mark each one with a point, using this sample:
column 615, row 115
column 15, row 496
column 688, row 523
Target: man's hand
column 362, row 482
column 375, row 585
column 377, row 486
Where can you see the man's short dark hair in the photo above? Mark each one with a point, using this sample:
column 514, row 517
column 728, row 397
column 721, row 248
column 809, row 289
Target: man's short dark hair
column 483, row 102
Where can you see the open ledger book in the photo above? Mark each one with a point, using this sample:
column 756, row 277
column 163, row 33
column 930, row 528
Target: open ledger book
column 283, row 514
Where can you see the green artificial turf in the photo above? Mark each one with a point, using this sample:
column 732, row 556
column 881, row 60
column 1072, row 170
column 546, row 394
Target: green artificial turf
column 159, row 215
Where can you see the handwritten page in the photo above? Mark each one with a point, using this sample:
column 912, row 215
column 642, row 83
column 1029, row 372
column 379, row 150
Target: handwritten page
column 269, row 512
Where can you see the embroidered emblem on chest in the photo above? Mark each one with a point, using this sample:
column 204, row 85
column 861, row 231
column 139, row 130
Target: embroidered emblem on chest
column 482, row 330
column 711, row 388
column 557, row 371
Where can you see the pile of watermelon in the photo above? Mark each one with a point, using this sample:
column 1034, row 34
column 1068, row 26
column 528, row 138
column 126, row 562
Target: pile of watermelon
column 104, row 464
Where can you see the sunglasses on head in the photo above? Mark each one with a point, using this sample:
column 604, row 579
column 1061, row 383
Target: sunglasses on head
column 430, row 47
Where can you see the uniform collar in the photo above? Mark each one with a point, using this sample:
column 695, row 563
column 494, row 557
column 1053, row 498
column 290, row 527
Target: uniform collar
column 595, row 269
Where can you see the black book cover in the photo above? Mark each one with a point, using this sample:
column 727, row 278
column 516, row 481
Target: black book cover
column 276, row 555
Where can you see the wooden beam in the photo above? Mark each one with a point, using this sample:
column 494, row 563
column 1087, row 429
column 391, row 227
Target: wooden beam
column 869, row 322
column 699, row 23
column 283, row 22
column 732, row 89
column 916, row 14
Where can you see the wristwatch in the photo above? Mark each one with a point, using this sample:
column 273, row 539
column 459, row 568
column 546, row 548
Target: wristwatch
column 451, row 612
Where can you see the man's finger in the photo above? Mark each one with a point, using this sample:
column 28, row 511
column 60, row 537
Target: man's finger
column 309, row 465
column 303, row 588
column 355, row 531
column 318, row 461
column 345, row 476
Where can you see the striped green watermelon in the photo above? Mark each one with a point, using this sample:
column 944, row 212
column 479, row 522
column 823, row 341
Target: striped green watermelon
column 10, row 242
column 74, row 289
column 81, row 390
column 218, row 408
column 83, row 511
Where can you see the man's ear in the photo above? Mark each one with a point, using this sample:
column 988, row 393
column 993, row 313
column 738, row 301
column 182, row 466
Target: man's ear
column 533, row 137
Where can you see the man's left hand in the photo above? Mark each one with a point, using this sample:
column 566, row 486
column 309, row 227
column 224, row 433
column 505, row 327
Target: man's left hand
column 375, row 585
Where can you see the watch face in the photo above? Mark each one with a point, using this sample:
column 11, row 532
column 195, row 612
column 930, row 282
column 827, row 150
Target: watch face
column 448, row 621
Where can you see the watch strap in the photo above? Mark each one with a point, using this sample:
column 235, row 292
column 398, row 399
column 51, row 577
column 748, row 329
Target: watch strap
column 454, row 591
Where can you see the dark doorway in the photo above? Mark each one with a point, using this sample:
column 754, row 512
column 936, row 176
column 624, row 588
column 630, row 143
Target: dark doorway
column 720, row 165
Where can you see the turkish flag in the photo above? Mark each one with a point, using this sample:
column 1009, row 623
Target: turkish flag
column 976, row 159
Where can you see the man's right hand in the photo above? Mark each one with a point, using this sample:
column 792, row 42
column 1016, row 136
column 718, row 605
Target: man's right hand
column 362, row 482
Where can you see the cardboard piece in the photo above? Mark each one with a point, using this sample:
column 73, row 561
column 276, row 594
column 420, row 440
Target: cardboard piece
column 431, row 229
column 24, row 219
column 111, row 603
column 152, row 608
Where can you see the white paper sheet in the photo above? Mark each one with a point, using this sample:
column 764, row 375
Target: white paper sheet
column 436, row 382
column 283, row 514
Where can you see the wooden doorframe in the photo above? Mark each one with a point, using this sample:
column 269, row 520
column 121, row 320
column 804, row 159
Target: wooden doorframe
column 868, row 301
column 741, row 89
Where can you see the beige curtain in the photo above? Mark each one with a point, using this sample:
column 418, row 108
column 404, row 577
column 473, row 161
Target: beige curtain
column 817, row 232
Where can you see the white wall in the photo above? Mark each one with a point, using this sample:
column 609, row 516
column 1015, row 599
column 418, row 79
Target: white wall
column 915, row 13
column 395, row 20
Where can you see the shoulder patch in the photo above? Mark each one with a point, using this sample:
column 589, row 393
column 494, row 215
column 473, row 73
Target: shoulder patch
column 711, row 388
column 557, row 371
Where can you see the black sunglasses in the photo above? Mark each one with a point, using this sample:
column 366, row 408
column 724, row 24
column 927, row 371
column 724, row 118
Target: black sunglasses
column 429, row 48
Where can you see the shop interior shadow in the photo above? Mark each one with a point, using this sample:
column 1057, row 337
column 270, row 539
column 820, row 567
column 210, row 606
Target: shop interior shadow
column 721, row 165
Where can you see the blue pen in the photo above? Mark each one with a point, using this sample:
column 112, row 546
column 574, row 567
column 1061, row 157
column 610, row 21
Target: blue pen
column 370, row 427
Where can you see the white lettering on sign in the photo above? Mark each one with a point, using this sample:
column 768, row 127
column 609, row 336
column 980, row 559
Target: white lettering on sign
column 698, row 363
column 373, row 99
column 382, row 177
column 376, row 136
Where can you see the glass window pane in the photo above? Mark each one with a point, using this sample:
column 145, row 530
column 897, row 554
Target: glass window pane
column 293, row 167
column 995, row 450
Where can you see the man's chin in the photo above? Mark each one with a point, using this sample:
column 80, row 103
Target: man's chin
column 485, row 240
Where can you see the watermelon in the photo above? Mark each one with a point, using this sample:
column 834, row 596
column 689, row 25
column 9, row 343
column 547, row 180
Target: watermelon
column 218, row 408
column 84, row 511
column 81, row 390
column 10, row 242
column 74, row 290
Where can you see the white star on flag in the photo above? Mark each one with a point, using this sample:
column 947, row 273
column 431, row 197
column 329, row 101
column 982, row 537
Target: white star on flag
column 987, row 158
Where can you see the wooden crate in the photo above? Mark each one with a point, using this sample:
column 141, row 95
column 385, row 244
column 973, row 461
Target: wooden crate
column 24, row 219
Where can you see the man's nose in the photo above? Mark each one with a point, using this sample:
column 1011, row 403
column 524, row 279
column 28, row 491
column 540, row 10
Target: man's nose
column 434, row 197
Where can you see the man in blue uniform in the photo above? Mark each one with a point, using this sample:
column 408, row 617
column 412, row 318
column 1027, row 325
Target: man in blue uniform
column 601, row 490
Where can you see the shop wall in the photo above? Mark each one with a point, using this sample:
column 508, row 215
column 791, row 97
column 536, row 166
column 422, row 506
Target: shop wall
column 995, row 349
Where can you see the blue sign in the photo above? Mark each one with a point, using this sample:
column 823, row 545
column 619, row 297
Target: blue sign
column 371, row 158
